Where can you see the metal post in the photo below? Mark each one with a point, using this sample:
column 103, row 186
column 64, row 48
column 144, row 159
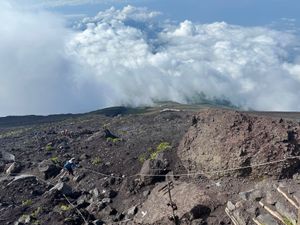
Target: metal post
column 173, row 205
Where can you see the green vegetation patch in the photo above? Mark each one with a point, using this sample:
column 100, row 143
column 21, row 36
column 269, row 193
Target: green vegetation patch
column 49, row 147
column 36, row 212
column 27, row 202
column 96, row 161
column 163, row 146
column 65, row 208
column 153, row 153
column 143, row 157
column 113, row 140
column 55, row 160
column 287, row 221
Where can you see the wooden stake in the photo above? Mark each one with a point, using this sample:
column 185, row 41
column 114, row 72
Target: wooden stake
column 229, row 214
column 78, row 211
column 287, row 197
column 172, row 205
column 272, row 212
column 256, row 221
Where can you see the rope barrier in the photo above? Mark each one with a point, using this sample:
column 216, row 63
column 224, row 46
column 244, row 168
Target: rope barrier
column 173, row 175
column 78, row 211
column 198, row 172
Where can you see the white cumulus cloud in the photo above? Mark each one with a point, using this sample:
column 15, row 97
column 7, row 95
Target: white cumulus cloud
column 36, row 74
column 129, row 57
column 143, row 60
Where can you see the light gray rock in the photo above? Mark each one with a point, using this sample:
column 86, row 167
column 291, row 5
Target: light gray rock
column 296, row 195
column 24, row 219
column 252, row 210
column 63, row 188
column 79, row 177
column 106, row 200
column 146, row 193
column 154, row 208
column 82, row 201
column 95, row 193
column 93, row 207
column 253, row 195
column 131, row 212
column 256, row 195
column 296, row 177
column 84, row 156
column 108, row 210
column 271, row 198
column 230, row 206
column 7, row 157
column 267, row 219
column 48, row 169
column 242, row 219
column 14, row 168
column 286, row 212
column 150, row 170
column 245, row 195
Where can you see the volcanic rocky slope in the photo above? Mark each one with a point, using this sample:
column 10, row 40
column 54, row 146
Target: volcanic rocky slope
column 210, row 160
column 220, row 140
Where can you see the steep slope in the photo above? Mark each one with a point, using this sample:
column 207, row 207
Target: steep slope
column 224, row 139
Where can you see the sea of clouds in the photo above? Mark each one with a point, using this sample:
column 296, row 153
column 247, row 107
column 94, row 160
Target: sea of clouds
column 133, row 57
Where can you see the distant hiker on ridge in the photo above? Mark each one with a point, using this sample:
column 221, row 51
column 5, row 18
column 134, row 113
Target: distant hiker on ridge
column 69, row 166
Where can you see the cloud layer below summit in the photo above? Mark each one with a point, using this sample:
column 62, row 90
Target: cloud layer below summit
column 131, row 57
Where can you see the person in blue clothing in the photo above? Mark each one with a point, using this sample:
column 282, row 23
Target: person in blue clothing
column 70, row 165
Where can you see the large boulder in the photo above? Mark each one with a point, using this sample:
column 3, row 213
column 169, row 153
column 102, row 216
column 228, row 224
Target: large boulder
column 109, row 134
column 220, row 140
column 191, row 201
column 151, row 171
column 7, row 157
column 63, row 188
column 48, row 169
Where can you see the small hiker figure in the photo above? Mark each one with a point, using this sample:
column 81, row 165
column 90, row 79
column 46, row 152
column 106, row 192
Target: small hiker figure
column 69, row 166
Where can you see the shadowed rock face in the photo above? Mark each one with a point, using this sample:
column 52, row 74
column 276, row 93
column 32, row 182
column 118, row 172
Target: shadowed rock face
column 189, row 199
column 223, row 139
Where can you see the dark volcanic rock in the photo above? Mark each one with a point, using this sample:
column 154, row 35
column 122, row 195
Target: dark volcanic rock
column 49, row 169
column 150, row 171
column 109, row 134
column 2, row 166
column 110, row 194
column 63, row 188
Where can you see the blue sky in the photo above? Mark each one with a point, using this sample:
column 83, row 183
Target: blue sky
column 241, row 12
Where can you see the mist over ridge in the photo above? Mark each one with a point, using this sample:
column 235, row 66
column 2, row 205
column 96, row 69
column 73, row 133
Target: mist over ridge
column 131, row 57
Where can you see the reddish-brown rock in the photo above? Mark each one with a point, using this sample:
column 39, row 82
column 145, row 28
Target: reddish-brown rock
column 223, row 139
